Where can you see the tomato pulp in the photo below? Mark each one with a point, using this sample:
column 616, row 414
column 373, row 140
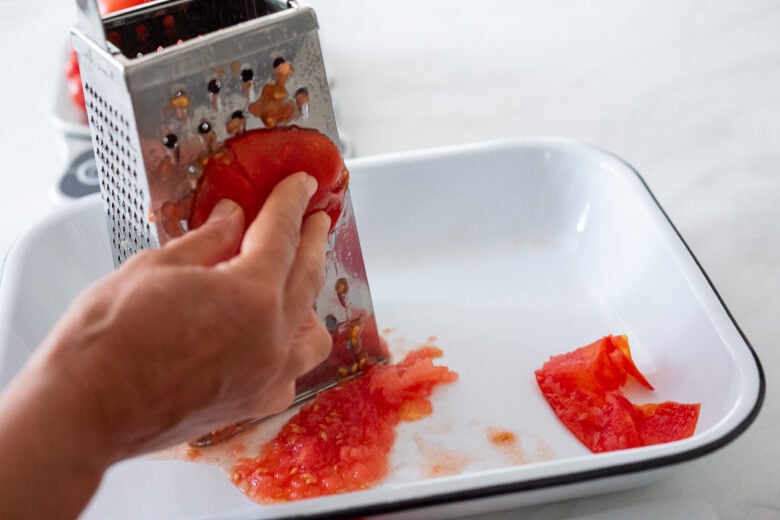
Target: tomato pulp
column 253, row 162
column 340, row 442
column 583, row 389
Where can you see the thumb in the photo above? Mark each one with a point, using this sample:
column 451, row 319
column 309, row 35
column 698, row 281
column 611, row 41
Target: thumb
column 217, row 240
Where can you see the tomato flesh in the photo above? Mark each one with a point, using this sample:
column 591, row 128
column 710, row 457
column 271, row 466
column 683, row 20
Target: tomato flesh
column 583, row 389
column 263, row 157
column 340, row 441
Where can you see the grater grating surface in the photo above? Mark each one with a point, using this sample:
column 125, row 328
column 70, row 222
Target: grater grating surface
column 118, row 166
column 166, row 85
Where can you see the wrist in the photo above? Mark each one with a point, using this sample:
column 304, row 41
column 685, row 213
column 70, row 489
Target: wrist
column 53, row 457
column 66, row 387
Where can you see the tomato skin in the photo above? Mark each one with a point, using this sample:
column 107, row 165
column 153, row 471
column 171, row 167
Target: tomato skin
column 665, row 422
column 263, row 157
column 601, row 366
column 583, row 389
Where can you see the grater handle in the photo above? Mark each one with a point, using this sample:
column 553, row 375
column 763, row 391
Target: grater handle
column 90, row 22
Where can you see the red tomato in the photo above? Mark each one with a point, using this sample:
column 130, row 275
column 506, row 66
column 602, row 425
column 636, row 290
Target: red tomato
column 583, row 389
column 263, row 157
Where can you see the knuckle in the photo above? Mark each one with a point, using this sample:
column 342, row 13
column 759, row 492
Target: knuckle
column 266, row 301
column 213, row 237
column 283, row 398
column 322, row 344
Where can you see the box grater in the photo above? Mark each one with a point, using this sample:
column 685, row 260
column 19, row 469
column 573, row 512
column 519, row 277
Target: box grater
column 166, row 84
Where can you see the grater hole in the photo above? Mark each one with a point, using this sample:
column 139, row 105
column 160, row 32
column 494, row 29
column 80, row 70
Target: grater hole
column 118, row 176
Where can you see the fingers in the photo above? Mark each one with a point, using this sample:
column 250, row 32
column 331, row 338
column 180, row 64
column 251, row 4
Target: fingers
column 217, row 240
column 308, row 270
column 277, row 402
column 271, row 241
column 310, row 345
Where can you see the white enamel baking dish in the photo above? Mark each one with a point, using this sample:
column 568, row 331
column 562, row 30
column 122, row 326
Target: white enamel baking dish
column 506, row 252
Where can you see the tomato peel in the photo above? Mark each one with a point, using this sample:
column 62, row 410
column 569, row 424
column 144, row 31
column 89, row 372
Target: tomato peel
column 583, row 389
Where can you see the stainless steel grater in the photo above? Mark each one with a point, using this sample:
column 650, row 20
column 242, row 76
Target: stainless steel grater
column 166, row 84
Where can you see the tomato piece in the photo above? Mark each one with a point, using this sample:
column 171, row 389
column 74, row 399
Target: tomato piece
column 601, row 366
column 263, row 157
column 620, row 354
column 665, row 422
column 583, row 389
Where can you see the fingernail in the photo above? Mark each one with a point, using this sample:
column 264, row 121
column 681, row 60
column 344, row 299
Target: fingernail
column 224, row 209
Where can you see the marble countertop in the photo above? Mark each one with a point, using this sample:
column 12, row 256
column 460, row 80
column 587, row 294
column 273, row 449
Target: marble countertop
column 688, row 93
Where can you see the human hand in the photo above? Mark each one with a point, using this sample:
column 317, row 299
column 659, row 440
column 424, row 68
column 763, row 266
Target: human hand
column 178, row 342
column 185, row 339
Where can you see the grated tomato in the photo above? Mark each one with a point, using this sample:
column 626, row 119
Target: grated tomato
column 340, row 442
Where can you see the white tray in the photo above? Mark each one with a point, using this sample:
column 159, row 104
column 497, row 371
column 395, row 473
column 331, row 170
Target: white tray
column 508, row 253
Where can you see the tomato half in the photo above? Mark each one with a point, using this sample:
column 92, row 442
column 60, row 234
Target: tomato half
column 262, row 158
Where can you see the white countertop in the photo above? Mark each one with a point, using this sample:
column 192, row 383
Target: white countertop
column 687, row 92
